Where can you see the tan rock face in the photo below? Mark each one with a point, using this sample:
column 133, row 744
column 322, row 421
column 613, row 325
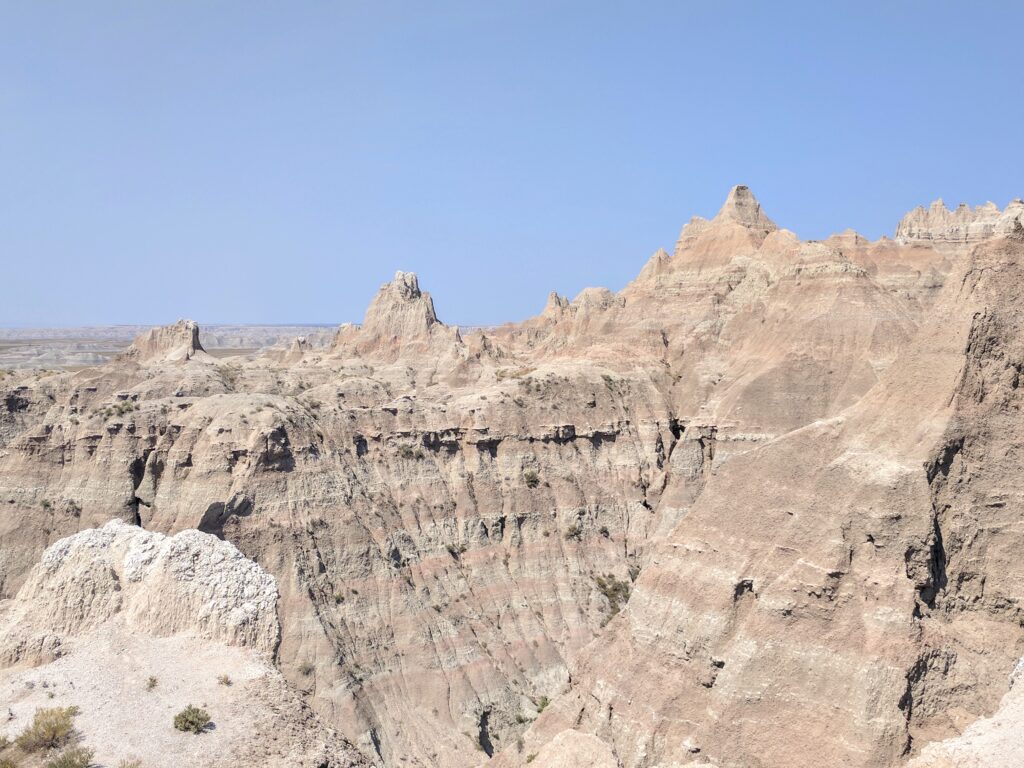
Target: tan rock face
column 750, row 511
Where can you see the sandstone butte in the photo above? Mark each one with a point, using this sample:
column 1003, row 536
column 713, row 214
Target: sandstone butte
column 761, row 508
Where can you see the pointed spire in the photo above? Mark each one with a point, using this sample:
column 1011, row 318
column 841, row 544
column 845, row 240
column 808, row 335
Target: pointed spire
column 400, row 309
column 742, row 207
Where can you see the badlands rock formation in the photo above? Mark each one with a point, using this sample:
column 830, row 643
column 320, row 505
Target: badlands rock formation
column 759, row 508
column 130, row 626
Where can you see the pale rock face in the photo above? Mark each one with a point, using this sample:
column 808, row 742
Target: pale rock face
column 962, row 226
column 169, row 344
column 992, row 742
column 191, row 582
column 400, row 309
column 751, row 510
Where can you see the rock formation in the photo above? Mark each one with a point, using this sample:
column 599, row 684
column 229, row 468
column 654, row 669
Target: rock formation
column 174, row 343
column 755, row 509
column 963, row 226
column 130, row 626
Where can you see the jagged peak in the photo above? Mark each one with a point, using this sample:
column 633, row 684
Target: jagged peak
column 743, row 208
column 407, row 284
column 400, row 309
column 556, row 305
column 168, row 344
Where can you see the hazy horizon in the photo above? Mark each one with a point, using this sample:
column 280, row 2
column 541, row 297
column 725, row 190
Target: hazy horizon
column 275, row 165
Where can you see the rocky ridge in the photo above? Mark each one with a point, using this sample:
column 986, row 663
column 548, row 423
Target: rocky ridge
column 733, row 477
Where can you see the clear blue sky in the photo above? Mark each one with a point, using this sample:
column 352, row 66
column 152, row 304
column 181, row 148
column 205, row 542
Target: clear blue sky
column 277, row 161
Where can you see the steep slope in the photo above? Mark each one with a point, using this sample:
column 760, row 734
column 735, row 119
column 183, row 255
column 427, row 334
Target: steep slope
column 846, row 592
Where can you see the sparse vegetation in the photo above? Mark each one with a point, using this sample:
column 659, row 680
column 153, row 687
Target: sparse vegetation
column 574, row 532
column 51, row 728
column 408, row 452
column 306, row 669
column 224, row 680
column 130, row 763
column 152, row 683
column 531, row 757
column 542, row 704
column 73, row 757
column 192, row 720
column 229, row 374
column 531, row 478
column 615, row 591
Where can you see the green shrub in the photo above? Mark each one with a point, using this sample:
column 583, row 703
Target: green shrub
column 574, row 532
column 192, row 719
column 151, row 683
column 224, row 680
column 73, row 757
column 531, row 478
column 542, row 704
column 616, row 592
column 51, row 728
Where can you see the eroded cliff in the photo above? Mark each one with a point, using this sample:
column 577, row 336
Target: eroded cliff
column 728, row 514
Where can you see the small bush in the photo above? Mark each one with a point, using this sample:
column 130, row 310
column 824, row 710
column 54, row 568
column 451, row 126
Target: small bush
column 305, row 669
column 73, row 757
column 615, row 591
column 224, row 680
column 531, row 478
column 408, row 452
column 130, row 763
column 192, row 720
column 152, row 683
column 542, row 704
column 574, row 532
column 51, row 728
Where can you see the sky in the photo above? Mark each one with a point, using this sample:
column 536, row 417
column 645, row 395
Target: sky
column 275, row 162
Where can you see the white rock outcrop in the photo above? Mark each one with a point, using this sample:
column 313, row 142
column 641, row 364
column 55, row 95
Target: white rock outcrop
column 189, row 583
